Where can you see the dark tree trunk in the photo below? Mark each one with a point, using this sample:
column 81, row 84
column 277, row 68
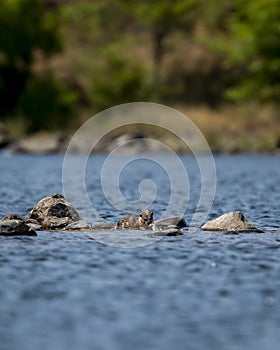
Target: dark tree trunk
column 159, row 34
column 12, row 83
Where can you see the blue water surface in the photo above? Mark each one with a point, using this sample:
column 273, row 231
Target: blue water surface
column 203, row 290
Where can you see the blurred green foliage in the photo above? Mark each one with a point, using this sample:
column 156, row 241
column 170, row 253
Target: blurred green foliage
column 100, row 53
column 118, row 82
column 25, row 29
column 47, row 101
column 161, row 18
column 255, row 31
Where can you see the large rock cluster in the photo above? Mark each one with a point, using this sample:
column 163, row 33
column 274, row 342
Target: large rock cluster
column 56, row 213
column 50, row 213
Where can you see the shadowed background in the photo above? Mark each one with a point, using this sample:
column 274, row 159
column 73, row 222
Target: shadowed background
column 62, row 61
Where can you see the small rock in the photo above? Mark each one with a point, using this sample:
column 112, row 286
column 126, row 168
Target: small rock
column 167, row 232
column 54, row 212
column 40, row 143
column 77, row 225
column 231, row 222
column 172, row 220
column 15, row 228
column 103, row 226
column 13, row 216
column 32, row 223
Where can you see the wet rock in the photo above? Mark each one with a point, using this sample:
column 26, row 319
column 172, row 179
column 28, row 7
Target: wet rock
column 40, row 143
column 172, row 220
column 32, row 223
column 13, row 216
column 15, row 228
column 103, row 226
column 54, row 212
column 171, row 231
column 233, row 221
column 78, row 225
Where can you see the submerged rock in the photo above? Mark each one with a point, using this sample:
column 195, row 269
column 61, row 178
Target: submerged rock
column 233, row 221
column 54, row 212
column 170, row 231
column 103, row 226
column 170, row 221
column 15, row 228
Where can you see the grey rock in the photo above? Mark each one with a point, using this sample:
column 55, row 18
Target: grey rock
column 103, row 226
column 172, row 220
column 32, row 223
column 167, row 232
column 15, row 228
column 41, row 143
column 77, row 225
column 231, row 222
column 13, row 216
column 35, row 227
column 54, row 212
column 140, row 144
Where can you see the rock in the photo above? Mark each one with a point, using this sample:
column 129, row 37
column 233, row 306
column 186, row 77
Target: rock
column 172, row 220
column 167, row 232
column 54, row 212
column 77, row 225
column 41, row 143
column 139, row 145
column 15, row 228
column 32, row 223
column 103, row 226
column 13, row 217
column 5, row 138
column 233, row 221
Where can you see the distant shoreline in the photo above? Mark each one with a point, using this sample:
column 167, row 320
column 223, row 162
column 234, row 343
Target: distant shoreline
column 228, row 129
column 44, row 143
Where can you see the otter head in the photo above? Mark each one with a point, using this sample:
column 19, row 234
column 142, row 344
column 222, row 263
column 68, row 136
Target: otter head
column 146, row 217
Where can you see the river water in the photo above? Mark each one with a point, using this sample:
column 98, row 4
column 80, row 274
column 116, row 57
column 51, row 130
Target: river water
column 203, row 290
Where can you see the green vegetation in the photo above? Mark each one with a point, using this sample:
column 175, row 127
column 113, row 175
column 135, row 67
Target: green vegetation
column 63, row 61
column 253, row 28
column 27, row 31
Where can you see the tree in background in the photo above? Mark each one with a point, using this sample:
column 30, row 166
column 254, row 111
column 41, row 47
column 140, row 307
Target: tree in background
column 25, row 29
column 253, row 45
column 105, row 36
column 28, row 30
column 115, row 51
column 162, row 18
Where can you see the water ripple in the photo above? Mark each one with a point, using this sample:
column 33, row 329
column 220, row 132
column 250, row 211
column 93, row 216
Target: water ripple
column 201, row 290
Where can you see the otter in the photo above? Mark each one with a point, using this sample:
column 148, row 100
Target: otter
column 132, row 222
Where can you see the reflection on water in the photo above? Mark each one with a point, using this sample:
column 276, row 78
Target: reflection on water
column 197, row 291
